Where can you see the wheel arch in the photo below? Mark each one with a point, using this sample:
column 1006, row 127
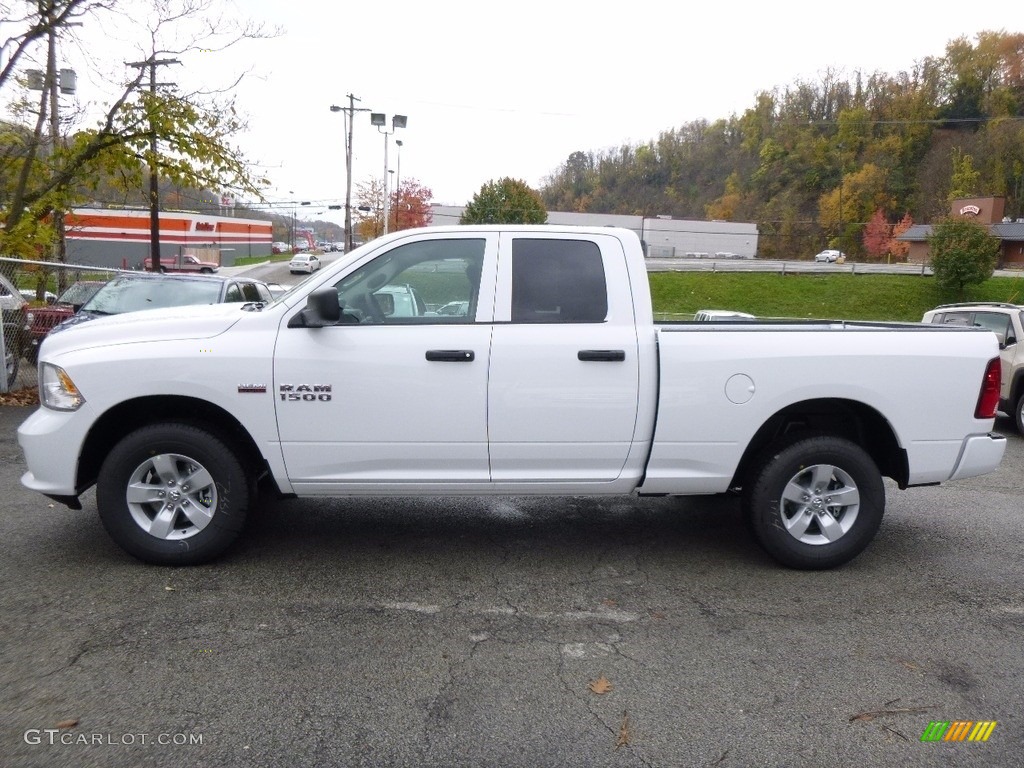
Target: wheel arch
column 1016, row 386
column 130, row 415
column 850, row 419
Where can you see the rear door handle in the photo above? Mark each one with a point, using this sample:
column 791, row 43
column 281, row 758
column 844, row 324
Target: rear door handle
column 450, row 355
column 601, row 355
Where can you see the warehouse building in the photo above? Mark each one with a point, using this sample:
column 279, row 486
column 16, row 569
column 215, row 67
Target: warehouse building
column 662, row 236
column 120, row 239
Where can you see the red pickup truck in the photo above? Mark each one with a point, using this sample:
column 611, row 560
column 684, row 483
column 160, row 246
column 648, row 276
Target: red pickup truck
column 43, row 319
column 184, row 263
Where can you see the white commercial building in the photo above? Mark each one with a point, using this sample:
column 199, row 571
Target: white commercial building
column 663, row 237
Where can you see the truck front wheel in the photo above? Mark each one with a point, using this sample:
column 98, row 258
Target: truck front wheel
column 1018, row 413
column 173, row 494
column 815, row 502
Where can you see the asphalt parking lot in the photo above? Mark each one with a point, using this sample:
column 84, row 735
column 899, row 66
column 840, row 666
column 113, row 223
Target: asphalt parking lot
column 513, row 632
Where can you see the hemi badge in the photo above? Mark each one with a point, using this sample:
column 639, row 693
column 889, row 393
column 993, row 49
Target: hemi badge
column 257, row 388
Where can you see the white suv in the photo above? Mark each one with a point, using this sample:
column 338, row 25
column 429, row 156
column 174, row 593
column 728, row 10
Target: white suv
column 1007, row 322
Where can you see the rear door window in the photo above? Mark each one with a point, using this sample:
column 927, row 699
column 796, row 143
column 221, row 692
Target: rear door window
column 558, row 281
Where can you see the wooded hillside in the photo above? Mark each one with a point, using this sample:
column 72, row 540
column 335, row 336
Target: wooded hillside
column 813, row 163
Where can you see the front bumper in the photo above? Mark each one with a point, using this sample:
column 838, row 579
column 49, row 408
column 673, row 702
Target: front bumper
column 51, row 442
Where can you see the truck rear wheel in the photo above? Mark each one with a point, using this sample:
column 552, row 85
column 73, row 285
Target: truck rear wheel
column 173, row 494
column 815, row 502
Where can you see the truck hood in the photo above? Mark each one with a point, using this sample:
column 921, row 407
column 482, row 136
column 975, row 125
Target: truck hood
column 171, row 323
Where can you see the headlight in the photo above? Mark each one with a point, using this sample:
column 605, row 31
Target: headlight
column 57, row 390
column 29, row 319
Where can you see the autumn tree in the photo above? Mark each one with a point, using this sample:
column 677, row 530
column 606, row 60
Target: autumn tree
column 410, row 206
column 877, row 235
column 966, row 180
column 506, row 201
column 190, row 130
column 901, row 248
column 963, row 253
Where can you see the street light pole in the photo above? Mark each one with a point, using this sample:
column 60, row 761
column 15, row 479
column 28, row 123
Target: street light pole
column 398, row 185
column 379, row 119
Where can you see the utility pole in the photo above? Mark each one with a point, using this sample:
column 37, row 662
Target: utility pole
column 349, row 111
column 154, row 191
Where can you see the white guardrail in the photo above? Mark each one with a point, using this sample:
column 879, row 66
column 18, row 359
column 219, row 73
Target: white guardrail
column 783, row 267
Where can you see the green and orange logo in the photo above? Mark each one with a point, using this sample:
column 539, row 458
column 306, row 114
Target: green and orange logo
column 959, row 730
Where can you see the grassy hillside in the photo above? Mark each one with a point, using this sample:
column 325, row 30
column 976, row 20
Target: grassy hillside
column 845, row 296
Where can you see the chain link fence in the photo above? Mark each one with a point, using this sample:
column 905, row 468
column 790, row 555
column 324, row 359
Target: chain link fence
column 34, row 297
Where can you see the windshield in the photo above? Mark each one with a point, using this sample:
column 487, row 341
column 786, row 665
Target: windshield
column 131, row 294
column 79, row 293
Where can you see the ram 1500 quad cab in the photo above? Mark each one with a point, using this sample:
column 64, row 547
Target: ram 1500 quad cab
column 555, row 380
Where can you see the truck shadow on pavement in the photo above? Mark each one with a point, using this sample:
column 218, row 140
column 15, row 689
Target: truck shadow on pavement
column 496, row 527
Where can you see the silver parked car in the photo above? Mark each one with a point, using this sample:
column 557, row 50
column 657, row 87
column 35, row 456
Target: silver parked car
column 304, row 262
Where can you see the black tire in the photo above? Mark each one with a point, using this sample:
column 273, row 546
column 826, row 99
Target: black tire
column 1018, row 413
column 813, row 528
column 163, row 270
column 161, row 462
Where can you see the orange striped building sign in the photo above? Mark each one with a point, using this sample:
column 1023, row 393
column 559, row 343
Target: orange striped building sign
column 121, row 238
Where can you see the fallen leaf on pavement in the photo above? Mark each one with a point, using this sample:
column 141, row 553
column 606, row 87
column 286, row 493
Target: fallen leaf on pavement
column 624, row 734
column 600, row 686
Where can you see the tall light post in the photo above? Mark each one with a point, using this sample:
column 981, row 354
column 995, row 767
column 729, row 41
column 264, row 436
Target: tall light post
column 379, row 119
column 398, row 184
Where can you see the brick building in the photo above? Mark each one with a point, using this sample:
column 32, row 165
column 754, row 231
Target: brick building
column 985, row 210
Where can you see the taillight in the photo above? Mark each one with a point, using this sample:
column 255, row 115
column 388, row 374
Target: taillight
column 988, row 399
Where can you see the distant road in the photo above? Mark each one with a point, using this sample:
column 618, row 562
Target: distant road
column 677, row 264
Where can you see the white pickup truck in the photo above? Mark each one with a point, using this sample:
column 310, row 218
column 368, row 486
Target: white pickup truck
column 554, row 380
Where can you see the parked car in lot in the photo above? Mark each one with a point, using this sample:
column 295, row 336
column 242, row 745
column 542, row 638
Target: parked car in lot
column 304, row 262
column 830, row 256
column 186, row 262
column 1007, row 322
column 276, row 289
column 16, row 317
column 706, row 315
column 44, row 319
column 453, row 309
column 279, row 247
column 137, row 291
column 30, row 295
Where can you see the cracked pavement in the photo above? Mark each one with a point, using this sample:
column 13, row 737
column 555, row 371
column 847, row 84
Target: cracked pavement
column 466, row 632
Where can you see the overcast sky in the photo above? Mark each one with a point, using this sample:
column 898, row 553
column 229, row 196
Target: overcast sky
column 512, row 89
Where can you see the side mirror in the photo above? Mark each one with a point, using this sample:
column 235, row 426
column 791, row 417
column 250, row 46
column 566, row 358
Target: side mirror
column 322, row 308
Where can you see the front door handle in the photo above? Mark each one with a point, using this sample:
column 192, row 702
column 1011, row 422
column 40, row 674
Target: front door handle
column 450, row 355
column 601, row 355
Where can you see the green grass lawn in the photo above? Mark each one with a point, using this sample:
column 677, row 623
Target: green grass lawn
column 245, row 261
column 846, row 296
